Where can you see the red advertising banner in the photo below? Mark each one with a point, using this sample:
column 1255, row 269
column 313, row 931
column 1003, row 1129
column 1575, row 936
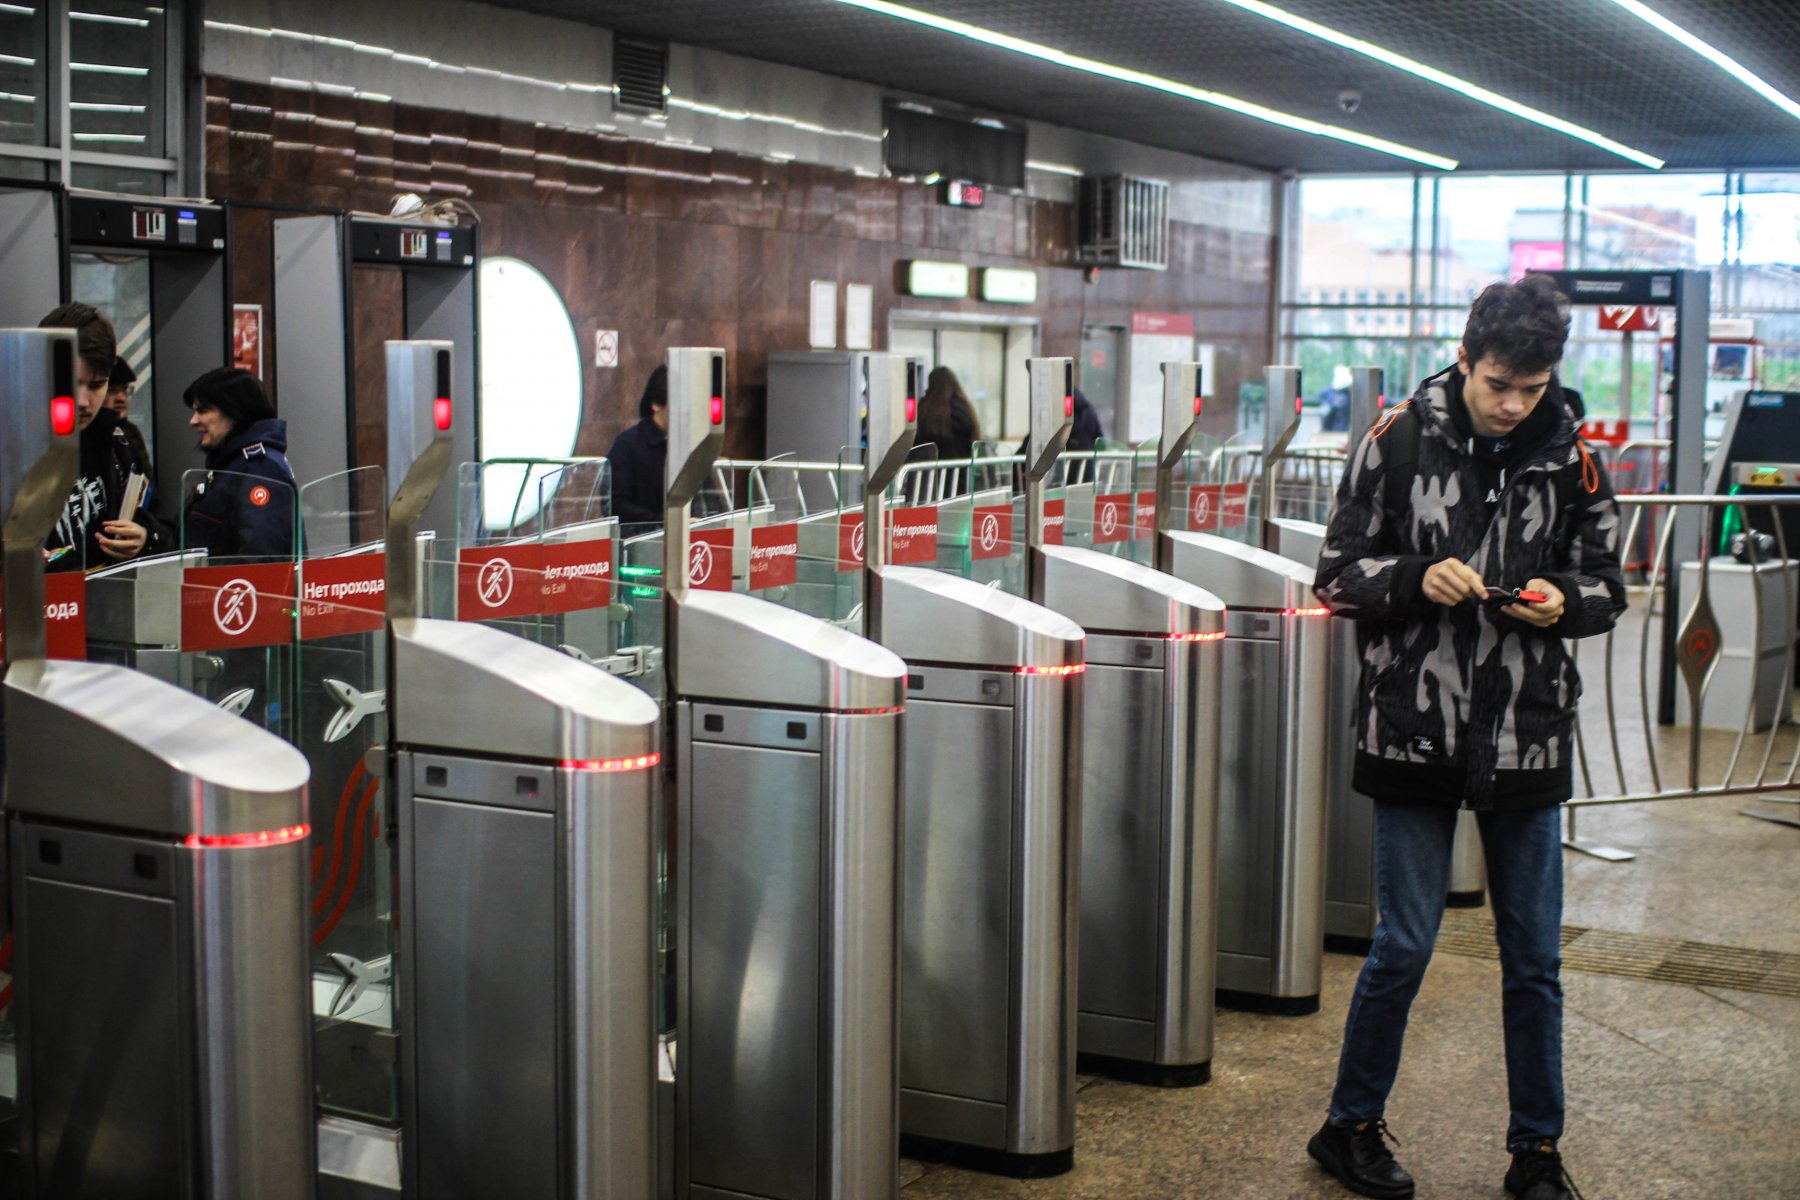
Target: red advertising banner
column 774, row 556
column 1144, row 519
column 499, row 581
column 912, row 536
column 342, row 595
column 850, row 541
column 1112, row 518
column 223, row 608
column 1053, row 522
column 709, row 559
column 990, row 532
column 1205, row 506
column 577, row 575
column 1237, row 504
column 65, row 616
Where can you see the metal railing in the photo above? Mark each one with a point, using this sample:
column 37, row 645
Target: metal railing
column 1729, row 642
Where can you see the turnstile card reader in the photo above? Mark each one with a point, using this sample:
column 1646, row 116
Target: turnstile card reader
column 786, row 788
column 158, row 866
column 1272, row 802
column 525, row 791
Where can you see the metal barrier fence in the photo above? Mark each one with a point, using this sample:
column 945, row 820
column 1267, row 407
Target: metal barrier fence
column 1720, row 723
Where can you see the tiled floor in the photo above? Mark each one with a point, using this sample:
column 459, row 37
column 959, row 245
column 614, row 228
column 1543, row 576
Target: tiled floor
column 1675, row 1091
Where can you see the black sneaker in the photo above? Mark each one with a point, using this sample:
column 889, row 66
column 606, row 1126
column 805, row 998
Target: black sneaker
column 1537, row 1174
column 1359, row 1157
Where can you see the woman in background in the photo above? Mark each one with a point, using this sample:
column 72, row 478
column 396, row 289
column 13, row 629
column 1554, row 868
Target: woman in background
column 245, row 507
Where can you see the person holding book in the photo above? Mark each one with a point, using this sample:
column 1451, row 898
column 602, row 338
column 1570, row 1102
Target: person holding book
column 106, row 519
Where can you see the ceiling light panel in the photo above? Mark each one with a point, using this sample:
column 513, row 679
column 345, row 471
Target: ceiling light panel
column 1159, row 83
column 1714, row 55
column 1445, row 79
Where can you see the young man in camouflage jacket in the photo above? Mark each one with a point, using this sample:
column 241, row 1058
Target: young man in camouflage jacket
column 1468, row 701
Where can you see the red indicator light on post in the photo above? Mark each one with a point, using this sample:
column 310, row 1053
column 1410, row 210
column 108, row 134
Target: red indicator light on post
column 718, row 410
column 440, row 412
column 912, row 409
column 246, row 841
column 1068, row 406
column 62, row 416
column 1298, row 402
column 638, row 762
column 1380, row 402
column 1196, row 406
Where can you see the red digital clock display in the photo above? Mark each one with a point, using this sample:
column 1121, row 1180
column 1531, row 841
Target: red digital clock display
column 958, row 194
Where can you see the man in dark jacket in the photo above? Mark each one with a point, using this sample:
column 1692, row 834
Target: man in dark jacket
column 1467, row 701
column 92, row 532
column 638, row 459
column 245, row 507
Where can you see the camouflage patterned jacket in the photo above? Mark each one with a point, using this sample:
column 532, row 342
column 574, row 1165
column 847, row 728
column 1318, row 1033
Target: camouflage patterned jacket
column 1466, row 705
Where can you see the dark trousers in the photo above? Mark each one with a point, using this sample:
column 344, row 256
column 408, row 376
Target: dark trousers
column 1525, row 889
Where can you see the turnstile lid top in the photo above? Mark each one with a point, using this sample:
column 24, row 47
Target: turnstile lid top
column 467, row 687
column 1115, row 595
column 1298, row 540
column 735, row 647
column 105, row 745
column 1243, row 576
column 929, row 616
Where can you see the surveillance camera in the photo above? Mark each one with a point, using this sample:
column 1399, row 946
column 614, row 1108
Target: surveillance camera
column 1349, row 99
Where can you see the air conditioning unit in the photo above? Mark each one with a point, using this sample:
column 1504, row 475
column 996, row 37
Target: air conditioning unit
column 1122, row 222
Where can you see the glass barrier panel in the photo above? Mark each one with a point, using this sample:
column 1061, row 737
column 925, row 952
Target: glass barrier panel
column 341, row 673
column 237, row 603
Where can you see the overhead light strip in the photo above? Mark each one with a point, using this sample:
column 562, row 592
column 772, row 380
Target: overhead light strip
column 1155, row 82
column 1446, row 80
column 1714, row 55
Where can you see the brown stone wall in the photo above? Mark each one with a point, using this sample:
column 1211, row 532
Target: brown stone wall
column 672, row 246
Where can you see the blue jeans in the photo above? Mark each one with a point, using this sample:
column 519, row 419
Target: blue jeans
column 1525, row 890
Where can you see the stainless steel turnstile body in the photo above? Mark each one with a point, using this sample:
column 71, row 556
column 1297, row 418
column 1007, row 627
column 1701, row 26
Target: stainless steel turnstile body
column 159, row 867
column 1272, row 803
column 525, row 789
column 1149, row 813
column 786, row 942
column 1350, row 910
column 992, row 827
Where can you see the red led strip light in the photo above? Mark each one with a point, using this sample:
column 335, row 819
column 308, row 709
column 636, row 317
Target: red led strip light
column 1306, row 612
column 637, row 762
column 871, row 712
column 1072, row 669
column 244, row 841
column 1197, row 637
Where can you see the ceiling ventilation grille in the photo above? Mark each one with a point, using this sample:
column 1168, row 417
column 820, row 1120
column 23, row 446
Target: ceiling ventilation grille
column 640, row 75
column 1123, row 222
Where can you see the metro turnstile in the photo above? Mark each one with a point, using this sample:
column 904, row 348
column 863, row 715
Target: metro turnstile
column 524, row 784
column 158, row 856
column 992, row 837
column 1149, row 814
column 786, row 793
column 1272, row 803
column 1350, row 901
column 992, row 823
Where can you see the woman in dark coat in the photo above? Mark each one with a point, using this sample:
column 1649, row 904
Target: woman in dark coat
column 245, row 508
column 946, row 418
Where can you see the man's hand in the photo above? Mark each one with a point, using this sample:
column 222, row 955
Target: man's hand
column 1451, row 582
column 1545, row 612
column 120, row 540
